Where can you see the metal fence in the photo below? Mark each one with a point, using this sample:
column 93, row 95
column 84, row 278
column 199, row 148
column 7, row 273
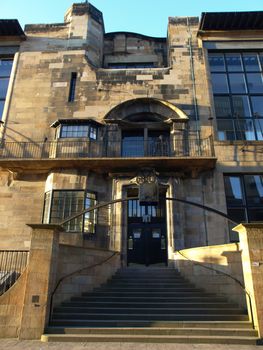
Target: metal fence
column 12, row 265
column 62, row 148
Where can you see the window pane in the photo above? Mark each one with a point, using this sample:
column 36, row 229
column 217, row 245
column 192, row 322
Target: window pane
column 255, row 83
column 2, row 103
column 3, row 87
column 216, row 62
column 66, row 204
column 254, row 190
column 261, row 60
column 222, row 106
column 233, row 62
column 219, row 83
column 237, row 83
column 5, row 68
column 133, row 144
column 251, row 62
column 234, row 192
column 241, row 106
column 90, row 218
column 93, row 133
column 257, row 105
column 237, row 214
column 244, row 129
column 77, row 131
column 255, row 215
column 258, row 123
column 225, row 129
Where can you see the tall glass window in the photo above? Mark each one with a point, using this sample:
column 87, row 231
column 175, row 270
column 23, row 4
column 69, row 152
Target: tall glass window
column 5, row 71
column 60, row 205
column 237, row 82
column 244, row 197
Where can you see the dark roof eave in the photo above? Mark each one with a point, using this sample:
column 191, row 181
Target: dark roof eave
column 10, row 28
column 231, row 21
column 82, row 121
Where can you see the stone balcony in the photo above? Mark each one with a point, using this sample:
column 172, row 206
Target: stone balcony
column 185, row 155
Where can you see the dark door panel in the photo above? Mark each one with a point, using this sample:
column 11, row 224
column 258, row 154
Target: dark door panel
column 147, row 243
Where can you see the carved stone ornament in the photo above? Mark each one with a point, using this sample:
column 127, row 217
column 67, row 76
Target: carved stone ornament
column 148, row 187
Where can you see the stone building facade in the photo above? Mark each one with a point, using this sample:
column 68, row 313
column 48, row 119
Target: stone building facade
column 89, row 117
column 86, row 111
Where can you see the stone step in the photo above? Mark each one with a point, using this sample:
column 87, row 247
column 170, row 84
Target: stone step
column 147, row 276
column 155, row 293
column 150, row 305
column 181, row 298
column 150, row 339
column 160, row 324
column 189, row 315
column 156, row 331
column 143, row 289
column 148, row 283
column 147, row 304
column 146, row 311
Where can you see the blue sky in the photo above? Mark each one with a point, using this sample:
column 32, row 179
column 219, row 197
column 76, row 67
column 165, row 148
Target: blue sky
column 142, row 16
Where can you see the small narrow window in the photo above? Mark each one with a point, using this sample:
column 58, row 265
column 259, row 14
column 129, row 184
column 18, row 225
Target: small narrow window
column 72, row 87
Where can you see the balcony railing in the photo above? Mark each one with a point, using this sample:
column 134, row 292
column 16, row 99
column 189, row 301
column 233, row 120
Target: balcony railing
column 12, row 265
column 63, row 149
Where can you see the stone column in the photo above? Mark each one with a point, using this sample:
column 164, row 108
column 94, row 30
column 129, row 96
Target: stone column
column 251, row 244
column 41, row 279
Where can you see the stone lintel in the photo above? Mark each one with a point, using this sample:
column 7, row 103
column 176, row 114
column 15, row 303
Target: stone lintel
column 52, row 227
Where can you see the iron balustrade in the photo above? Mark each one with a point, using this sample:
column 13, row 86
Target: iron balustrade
column 12, row 265
column 62, row 148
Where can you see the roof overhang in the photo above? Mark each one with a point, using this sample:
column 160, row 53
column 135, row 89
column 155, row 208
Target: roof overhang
column 74, row 121
column 230, row 22
column 11, row 30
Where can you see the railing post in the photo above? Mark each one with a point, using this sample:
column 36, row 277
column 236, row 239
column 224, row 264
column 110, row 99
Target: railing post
column 251, row 244
column 212, row 146
column 41, row 279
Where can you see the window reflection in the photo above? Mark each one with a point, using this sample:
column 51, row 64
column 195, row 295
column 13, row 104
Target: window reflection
column 234, row 62
column 244, row 197
column 216, row 62
column 237, row 81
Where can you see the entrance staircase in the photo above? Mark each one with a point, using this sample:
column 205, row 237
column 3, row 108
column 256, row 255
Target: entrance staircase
column 153, row 305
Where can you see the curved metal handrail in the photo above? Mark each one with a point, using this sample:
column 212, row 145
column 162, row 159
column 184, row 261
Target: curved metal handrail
column 71, row 274
column 225, row 274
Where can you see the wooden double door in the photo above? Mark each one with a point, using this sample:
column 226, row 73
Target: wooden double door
column 147, row 243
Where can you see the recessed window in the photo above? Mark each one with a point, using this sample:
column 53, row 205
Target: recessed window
column 72, row 87
column 5, row 71
column 145, row 143
column 60, row 205
column 237, row 82
column 244, row 198
column 79, row 131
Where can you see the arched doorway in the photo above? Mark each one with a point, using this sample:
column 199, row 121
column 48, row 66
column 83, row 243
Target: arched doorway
column 143, row 128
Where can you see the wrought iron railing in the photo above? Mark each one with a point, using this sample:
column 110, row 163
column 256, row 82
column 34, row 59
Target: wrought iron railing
column 12, row 265
column 63, row 148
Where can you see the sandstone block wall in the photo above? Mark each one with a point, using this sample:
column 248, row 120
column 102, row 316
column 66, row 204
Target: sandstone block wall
column 219, row 258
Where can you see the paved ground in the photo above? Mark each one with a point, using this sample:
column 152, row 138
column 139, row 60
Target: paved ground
column 37, row 345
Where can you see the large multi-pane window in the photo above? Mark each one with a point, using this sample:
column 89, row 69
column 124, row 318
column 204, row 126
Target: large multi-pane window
column 244, row 196
column 5, row 71
column 60, row 205
column 237, row 83
column 78, row 131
